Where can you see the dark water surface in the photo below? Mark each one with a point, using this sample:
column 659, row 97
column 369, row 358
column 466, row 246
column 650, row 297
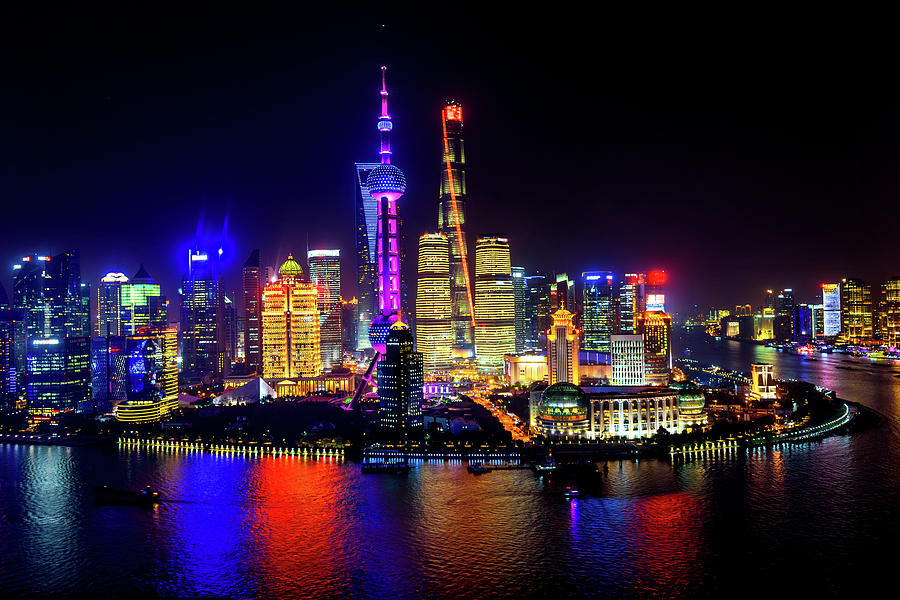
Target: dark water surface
column 816, row 519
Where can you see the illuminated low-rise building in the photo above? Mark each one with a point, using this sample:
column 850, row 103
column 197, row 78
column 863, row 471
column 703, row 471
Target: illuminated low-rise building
column 563, row 411
column 332, row 383
column 691, row 409
column 290, row 325
column 524, row 369
column 762, row 381
column 151, row 376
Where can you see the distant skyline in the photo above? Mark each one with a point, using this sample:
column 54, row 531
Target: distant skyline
column 735, row 161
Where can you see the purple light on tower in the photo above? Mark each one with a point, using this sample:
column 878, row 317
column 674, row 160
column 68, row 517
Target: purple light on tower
column 386, row 183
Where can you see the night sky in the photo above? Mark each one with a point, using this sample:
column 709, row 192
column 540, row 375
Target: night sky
column 737, row 152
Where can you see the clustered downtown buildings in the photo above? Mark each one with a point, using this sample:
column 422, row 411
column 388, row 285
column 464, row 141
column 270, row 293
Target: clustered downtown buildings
column 470, row 315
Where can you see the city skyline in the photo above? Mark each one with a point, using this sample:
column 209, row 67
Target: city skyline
column 206, row 149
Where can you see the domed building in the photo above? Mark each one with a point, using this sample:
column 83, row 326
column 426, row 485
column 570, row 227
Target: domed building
column 691, row 409
column 290, row 268
column 563, row 410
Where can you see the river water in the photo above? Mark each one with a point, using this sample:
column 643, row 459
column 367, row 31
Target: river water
column 819, row 518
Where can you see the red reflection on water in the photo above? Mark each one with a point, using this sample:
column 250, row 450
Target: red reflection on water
column 293, row 518
column 664, row 531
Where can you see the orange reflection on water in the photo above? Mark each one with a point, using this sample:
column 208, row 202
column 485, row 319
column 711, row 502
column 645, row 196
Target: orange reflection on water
column 293, row 516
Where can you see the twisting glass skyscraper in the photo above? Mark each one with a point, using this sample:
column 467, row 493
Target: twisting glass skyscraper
column 495, row 334
column 434, row 335
column 452, row 221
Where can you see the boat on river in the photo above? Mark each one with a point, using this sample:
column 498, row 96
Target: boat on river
column 477, row 468
column 144, row 497
column 389, row 468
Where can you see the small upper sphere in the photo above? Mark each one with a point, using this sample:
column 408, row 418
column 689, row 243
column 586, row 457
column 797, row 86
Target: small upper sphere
column 386, row 180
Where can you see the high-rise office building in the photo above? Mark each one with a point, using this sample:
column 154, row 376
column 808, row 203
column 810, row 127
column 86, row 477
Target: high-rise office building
column 599, row 310
column 251, row 289
column 366, row 212
column 831, row 304
column 856, row 311
column 565, row 293
column 627, row 358
column 817, row 321
column 109, row 371
column 434, row 329
column 539, row 309
column 889, row 312
column 230, row 326
column 141, row 302
column 12, row 353
column 495, row 333
column 290, row 325
column 109, row 304
column 520, row 294
column 349, row 323
column 400, row 381
column 656, row 327
column 452, row 222
column 202, row 327
column 802, row 327
column 49, row 290
column 325, row 275
column 624, row 320
column 562, row 349
column 59, row 375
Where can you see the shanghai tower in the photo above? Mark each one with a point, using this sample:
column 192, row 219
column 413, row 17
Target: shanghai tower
column 451, row 222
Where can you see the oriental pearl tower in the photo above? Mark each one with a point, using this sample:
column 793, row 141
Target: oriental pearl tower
column 386, row 184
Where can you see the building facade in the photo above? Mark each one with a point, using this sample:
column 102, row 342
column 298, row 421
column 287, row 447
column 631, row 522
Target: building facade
column 856, row 311
column 434, row 311
column 562, row 349
column 495, row 333
column 251, row 293
column 656, row 327
column 325, row 274
column 627, row 358
column 59, row 375
column 109, row 304
column 400, row 382
column 599, row 310
column 290, row 325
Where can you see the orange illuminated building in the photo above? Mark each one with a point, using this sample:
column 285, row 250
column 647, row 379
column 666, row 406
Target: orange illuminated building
column 290, row 325
column 562, row 349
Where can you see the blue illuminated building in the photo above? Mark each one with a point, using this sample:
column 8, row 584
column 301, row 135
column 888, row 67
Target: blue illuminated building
column 202, row 327
column 366, row 211
column 599, row 310
column 59, row 375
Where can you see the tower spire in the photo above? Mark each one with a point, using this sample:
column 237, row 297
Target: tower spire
column 384, row 122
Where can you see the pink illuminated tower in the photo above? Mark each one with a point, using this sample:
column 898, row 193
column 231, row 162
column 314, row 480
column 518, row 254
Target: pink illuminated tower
column 386, row 184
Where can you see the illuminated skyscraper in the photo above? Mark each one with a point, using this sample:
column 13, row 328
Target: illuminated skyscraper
column 349, row 322
column 624, row 323
column 539, row 310
column 400, row 381
column 655, row 294
column 831, row 303
column 627, row 358
column 495, row 306
column 290, row 325
column 109, row 304
column 59, row 375
column 12, row 353
column 141, row 299
column 599, row 310
column 202, row 329
column 366, row 233
column 856, row 311
column 520, row 294
column 252, row 294
column 49, row 290
column 889, row 312
column 452, row 221
column 434, row 333
column 656, row 327
column 325, row 275
column 152, row 377
column 562, row 349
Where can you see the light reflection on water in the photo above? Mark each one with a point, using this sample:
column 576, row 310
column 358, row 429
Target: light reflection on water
column 808, row 517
